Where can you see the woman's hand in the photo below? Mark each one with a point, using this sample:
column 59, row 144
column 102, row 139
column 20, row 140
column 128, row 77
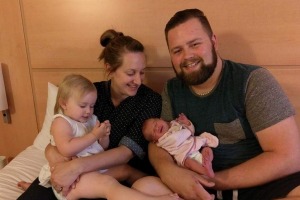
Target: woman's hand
column 53, row 156
column 64, row 175
column 63, row 171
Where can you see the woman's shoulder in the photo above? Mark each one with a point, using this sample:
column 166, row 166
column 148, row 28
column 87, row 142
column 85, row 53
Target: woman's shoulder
column 101, row 84
column 103, row 88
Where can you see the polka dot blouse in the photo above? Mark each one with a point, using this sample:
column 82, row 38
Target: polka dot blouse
column 127, row 118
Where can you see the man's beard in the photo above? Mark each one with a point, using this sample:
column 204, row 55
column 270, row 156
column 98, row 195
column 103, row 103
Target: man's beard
column 200, row 76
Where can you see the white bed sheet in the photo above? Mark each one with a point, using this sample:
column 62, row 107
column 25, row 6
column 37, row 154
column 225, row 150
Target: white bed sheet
column 25, row 166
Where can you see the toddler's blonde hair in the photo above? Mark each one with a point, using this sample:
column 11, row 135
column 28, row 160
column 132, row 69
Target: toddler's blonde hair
column 73, row 84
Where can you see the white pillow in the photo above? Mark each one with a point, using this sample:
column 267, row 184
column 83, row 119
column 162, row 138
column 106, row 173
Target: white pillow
column 43, row 138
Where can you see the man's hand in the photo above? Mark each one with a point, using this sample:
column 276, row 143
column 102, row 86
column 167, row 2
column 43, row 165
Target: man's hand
column 190, row 185
column 186, row 183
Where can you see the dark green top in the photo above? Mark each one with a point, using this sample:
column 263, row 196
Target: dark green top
column 247, row 99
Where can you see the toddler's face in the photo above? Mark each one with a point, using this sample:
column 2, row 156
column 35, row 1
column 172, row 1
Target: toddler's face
column 80, row 108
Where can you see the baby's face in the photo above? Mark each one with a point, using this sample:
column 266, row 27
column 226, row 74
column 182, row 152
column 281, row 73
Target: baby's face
column 157, row 128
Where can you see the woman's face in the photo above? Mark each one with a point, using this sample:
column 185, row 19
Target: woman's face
column 126, row 80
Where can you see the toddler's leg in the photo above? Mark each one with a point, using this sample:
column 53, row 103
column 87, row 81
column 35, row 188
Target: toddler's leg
column 151, row 185
column 96, row 185
column 23, row 185
column 125, row 173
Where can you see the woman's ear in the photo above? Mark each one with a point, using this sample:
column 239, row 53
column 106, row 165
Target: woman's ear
column 107, row 67
column 108, row 70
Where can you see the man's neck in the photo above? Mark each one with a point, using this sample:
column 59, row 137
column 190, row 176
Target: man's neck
column 208, row 86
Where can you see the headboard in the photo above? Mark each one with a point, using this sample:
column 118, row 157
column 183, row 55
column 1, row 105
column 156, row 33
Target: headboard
column 62, row 36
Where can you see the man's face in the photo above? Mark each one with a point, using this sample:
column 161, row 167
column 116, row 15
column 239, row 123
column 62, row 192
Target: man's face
column 192, row 52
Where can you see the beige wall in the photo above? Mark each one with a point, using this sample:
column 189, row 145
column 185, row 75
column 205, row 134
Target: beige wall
column 43, row 41
column 13, row 56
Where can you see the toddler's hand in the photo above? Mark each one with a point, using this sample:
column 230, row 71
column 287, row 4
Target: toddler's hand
column 100, row 130
column 108, row 127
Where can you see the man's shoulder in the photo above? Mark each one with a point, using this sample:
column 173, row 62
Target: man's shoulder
column 174, row 79
column 234, row 71
column 175, row 82
column 236, row 66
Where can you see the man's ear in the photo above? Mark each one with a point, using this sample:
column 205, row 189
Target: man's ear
column 214, row 41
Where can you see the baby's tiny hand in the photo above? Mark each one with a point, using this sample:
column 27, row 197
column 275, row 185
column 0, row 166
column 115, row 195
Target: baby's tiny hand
column 182, row 116
column 183, row 119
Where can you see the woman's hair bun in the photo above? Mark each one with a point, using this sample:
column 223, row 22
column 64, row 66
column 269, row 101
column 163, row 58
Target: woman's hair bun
column 108, row 36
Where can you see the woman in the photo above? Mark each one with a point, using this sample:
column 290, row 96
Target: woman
column 126, row 103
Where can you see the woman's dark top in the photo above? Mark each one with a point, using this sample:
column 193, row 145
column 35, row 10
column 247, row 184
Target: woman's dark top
column 127, row 119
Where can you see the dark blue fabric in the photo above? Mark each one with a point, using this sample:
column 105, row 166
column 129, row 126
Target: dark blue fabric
column 225, row 105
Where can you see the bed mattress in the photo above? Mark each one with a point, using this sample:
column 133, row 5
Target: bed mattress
column 25, row 166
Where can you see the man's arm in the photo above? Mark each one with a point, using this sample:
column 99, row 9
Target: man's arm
column 265, row 103
column 186, row 183
column 280, row 157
